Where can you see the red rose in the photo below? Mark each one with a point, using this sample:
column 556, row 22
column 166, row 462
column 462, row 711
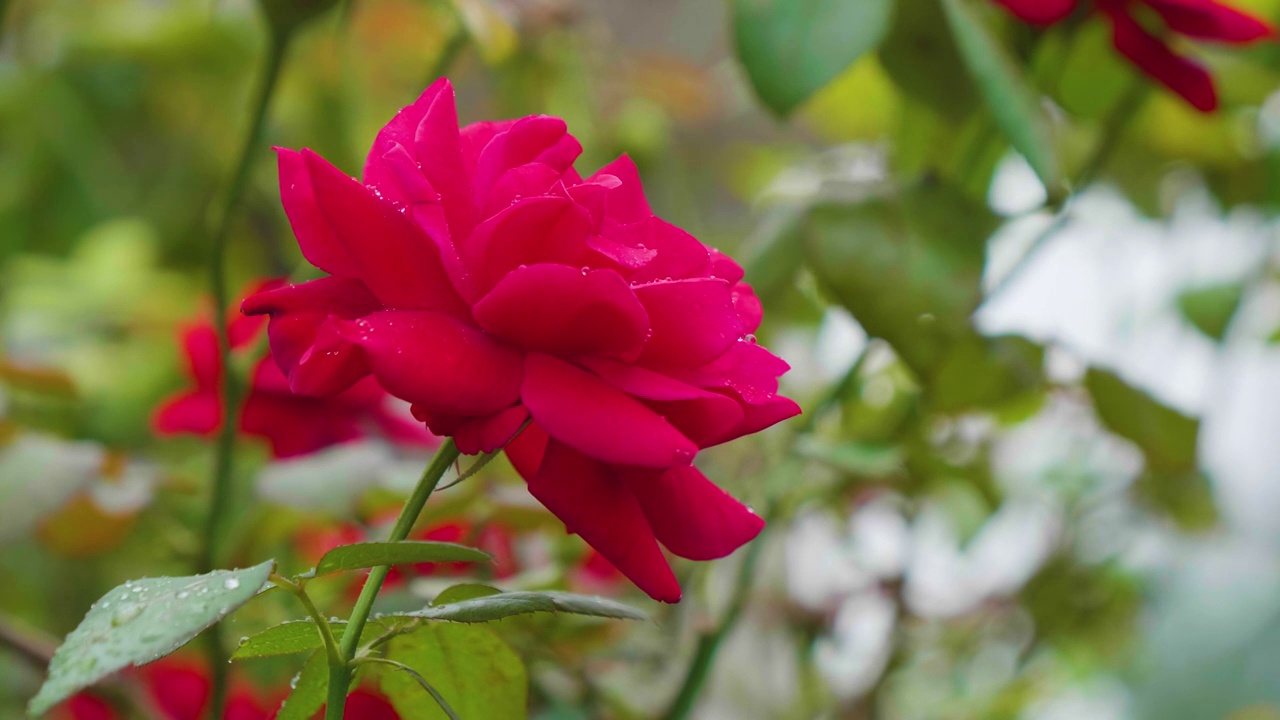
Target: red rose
column 478, row 276
column 1195, row 19
column 293, row 425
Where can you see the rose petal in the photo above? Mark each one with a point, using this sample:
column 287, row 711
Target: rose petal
column 198, row 412
column 437, row 146
column 536, row 230
column 399, row 263
column 527, row 450
column 562, row 310
column 297, row 425
column 537, row 138
column 582, row 411
column 1154, row 58
column 700, row 415
column 747, row 305
column 600, row 508
column 691, row 516
column 200, row 346
column 438, row 361
column 316, row 238
column 317, row 360
column 626, row 203
column 489, row 434
column 678, row 254
column 525, row 181
column 692, row 321
column 1209, row 20
column 1040, row 12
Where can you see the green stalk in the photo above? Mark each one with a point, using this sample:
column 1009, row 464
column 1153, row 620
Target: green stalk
column 709, row 644
column 340, row 672
column 220, row 498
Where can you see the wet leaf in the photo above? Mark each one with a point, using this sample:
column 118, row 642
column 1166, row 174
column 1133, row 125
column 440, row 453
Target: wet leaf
column 141, row 621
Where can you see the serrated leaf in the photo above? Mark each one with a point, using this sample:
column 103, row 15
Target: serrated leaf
column 793, row 48
column 286, row 639
column 1166, row 437
column 1014, row 104
column 502, row 605
column 465, row 591
column 141, row 621
column 366, row 555
column 477, row 673
column 310, row 688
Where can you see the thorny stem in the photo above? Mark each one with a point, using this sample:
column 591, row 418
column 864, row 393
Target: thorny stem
column 340, row 671
column 220, row 499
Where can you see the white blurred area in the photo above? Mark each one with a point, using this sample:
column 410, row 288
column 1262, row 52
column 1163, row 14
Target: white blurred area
column 1099, row 291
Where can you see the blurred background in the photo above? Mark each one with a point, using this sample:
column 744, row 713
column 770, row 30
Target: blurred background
column 1038, row 476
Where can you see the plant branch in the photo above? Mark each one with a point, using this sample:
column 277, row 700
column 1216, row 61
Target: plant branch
column 340, row 672
column 709, row 644
column 322, row 623
column 220, row 498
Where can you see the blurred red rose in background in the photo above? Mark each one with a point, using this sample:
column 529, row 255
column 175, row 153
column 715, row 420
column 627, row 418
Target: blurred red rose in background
column 293, row 425
column 1150, row 52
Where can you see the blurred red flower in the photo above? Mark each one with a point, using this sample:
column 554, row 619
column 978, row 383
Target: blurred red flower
column 1195, row 19
column 179, row 689
column 293, row 425
column 478, row 276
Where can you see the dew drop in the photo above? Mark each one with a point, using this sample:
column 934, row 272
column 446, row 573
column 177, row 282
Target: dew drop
column 125, row 614
column 231, row 583
column 183, row 595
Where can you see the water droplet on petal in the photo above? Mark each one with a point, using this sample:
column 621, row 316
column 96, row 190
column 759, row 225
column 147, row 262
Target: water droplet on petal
column 231, row 583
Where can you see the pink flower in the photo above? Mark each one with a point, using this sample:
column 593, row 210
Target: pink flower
column 1195, row 19
column 293, row 425
column 475, row 274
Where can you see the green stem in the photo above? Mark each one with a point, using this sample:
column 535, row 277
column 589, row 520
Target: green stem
column 1112, row 130
column 340, row 672
column 709, row 644
column 322, row 623
column 220, row 498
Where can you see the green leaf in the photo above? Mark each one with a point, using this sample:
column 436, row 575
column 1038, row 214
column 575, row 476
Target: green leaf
column 1166, row 437
column 909, row 267
column 1211, row 308
column 286, row 639
column 141, row 621
column 465, row 591
column 793, row 48
column 1014, row 104
column 502, row 605
column 1186, row 498
column 309, row 690
column 980, row 372
column 921, row 57
column 366, row 555
column 477, row 674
